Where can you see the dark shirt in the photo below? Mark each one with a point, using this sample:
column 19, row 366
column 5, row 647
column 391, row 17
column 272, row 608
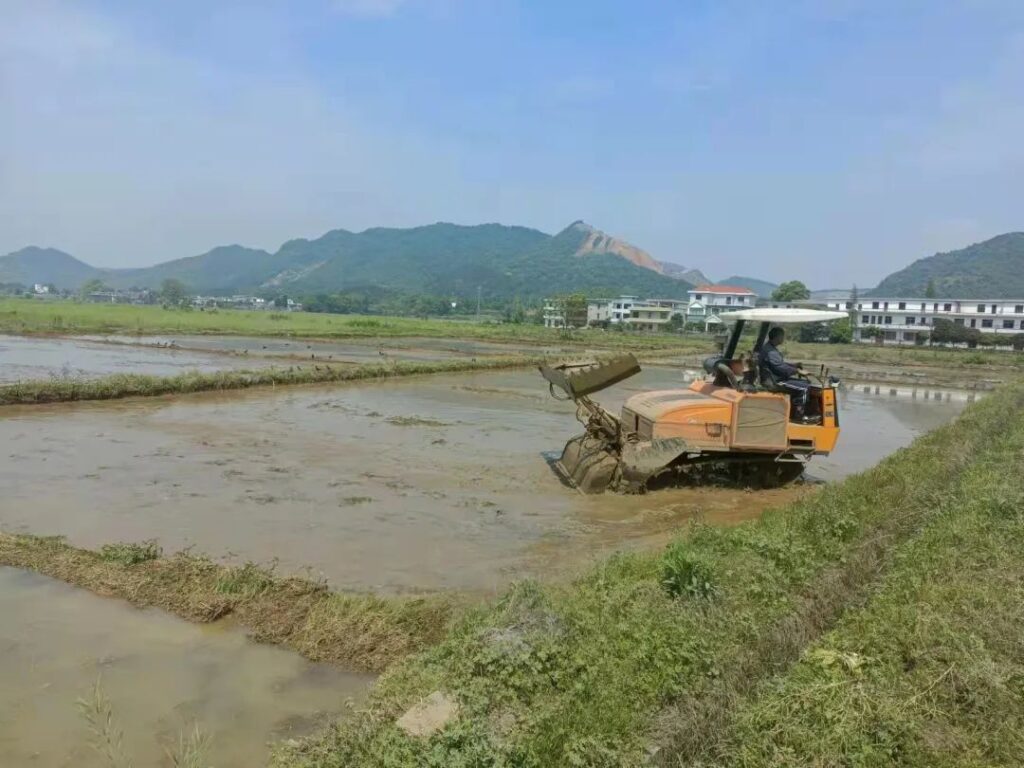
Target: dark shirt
column 773, row 363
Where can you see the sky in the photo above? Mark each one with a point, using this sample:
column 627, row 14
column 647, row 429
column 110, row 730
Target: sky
column 831, row 141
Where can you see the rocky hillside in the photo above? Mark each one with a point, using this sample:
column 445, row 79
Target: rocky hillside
column 689, row 274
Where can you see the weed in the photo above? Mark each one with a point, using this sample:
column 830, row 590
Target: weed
column 107, row 738
column 131, row 554
column 684, row 576
column 249, row 580
column 191, row 749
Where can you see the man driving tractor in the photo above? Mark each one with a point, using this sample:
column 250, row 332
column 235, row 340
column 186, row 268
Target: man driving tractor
column 786, row 377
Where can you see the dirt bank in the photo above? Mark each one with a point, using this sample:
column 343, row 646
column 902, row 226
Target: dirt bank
column 361, row 631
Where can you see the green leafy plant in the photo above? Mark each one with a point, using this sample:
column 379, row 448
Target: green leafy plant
column 682, row 575
column 127, row 553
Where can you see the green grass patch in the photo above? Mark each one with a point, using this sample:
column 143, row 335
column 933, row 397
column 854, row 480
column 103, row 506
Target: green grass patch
column 650, row 652
column 127, row 553
column 931, row 671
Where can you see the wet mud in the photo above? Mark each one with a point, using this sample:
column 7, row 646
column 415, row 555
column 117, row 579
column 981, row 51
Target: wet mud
column 363, row 350
column 422, row 483
column 161, row 675
column 26, row 358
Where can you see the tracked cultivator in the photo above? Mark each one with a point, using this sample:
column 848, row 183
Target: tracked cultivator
column 730, row 424
column 607, row 455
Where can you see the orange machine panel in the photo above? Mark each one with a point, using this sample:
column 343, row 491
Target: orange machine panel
column 700, row 420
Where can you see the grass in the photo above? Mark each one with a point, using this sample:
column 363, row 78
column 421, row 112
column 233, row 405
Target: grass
column 930, row 672
column 30, row 316
column 966, row 360
column 359, row 630
column 649, row 654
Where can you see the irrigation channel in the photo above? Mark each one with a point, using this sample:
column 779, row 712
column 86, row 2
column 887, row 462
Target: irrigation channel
column 406, row 485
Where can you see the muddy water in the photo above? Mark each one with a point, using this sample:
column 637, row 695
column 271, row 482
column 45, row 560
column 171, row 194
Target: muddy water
column 24, row 358
column 411, row 484
column 368, row 350
column 160, row 674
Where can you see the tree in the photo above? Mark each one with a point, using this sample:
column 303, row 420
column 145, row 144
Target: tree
column 573, row 308
column 173, row 292
column 948, row 332
column 810, row 333
column 281, row 302
column 95, row 285
column 929, row 291
column 793, row 290
column 840, row 332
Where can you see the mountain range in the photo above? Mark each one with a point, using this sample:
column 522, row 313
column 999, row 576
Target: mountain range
column 439, row 259
column 503, row 261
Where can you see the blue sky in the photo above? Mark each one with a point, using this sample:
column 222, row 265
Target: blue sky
column 827, row 140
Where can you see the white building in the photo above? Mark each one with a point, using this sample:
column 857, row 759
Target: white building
column 634, row 313
column 900, row 321
column 611, row 310
column 718, row 298
column 648, row 317
column 554, row 314
column 706, row 301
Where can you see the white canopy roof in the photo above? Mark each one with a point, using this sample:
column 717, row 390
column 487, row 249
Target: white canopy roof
column 782, row 315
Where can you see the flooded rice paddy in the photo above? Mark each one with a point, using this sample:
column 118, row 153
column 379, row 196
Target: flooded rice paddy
column 408, row 484
column 25, row 358
column 161, row 675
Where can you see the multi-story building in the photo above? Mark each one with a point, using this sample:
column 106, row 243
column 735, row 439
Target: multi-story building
column 718, row 298
column 902, row 321
column 706, row 301
column 554, row 315
column 648, row 317
column 611, row 310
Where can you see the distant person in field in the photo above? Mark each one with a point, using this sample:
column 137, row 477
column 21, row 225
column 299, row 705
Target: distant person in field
column 786, row 376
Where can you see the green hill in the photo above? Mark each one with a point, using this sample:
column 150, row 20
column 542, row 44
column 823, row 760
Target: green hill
column 993, row 269
column 45, row 265
column 761, row 287
column 443, row 260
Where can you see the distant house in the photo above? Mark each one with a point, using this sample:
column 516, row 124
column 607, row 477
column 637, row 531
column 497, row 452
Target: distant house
column 718, row 298
column 648, row 317
column 554, row 315
column 911, row 320
column 40, row 289
column 706, row 301
column 611, row 310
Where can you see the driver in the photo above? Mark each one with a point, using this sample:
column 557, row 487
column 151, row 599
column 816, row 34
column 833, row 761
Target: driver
column 787, row 376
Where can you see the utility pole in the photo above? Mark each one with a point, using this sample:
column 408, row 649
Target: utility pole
column 478, row 289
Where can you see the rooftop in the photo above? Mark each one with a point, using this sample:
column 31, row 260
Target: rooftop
column 722, row 289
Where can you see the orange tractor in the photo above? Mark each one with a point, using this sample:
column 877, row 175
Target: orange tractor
column 732, row 422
